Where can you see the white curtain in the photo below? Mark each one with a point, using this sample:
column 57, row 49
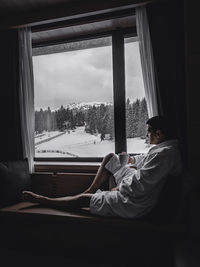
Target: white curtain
column 26, row 93
column 147, row 61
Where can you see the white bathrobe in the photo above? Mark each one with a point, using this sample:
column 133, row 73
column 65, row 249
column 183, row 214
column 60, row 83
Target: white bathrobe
column 139, row 188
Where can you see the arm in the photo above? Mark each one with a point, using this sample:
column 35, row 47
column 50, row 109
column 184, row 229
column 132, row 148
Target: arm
column 136, row 160
column 139, row 160
column 148, row 176
column 115, row 188
column 132, row 160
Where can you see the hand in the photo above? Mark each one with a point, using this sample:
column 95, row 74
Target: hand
column 131, row 160
column 115, row 188
column 123, row 153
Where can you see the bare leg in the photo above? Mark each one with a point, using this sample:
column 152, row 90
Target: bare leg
column 78, row 201
column 101, row 176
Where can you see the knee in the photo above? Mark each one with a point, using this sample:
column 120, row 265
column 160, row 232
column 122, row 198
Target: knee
column 108, row 156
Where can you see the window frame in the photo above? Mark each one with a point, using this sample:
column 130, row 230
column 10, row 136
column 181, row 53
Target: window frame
column 119, row 90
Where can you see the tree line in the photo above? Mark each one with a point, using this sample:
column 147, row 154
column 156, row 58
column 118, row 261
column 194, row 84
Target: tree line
column 95, row 119
column 136, row 117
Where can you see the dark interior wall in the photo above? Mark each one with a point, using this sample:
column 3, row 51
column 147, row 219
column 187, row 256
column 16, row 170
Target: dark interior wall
column 10, row 136
column 20, row 15
column 192, row 42
column 192, row 51
column 166, row 22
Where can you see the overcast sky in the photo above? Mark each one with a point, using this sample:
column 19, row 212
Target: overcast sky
column 83, row 76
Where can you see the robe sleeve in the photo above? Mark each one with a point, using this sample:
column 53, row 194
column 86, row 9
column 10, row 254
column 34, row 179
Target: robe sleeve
column 144, row 180
column 139, row 160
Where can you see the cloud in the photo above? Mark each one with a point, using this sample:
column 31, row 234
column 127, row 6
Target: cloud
column 81, row 76
column 101, row 58
column 132, row 59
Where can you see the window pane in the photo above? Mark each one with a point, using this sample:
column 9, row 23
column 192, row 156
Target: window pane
column 136, row 108
column 74, row 101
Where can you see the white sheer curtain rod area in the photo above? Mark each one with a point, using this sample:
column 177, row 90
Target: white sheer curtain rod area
column 147, row 60
column 26, row 94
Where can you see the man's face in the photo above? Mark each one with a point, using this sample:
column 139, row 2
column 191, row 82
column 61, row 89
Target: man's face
column 153, row 138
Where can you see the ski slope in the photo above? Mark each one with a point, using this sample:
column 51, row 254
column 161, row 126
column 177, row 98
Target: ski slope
column 78, row 143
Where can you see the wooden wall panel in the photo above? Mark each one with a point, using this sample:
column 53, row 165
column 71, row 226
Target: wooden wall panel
column 60, row 184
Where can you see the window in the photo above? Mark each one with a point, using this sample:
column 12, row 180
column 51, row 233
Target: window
column 136, row 106
column 89, row 99
column 74, row 101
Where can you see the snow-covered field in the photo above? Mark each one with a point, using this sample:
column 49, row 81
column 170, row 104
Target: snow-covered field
column 78, row 143
column 45, row 135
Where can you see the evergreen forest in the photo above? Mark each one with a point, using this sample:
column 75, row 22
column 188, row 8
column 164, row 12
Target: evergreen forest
column 96, row 119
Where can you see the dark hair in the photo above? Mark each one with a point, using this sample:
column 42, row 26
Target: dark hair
column 165, row 125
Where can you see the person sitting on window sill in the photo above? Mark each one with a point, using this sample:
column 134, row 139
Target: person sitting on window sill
column 133, row 191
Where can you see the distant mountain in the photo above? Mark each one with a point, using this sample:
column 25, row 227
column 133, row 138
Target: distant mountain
column 82, row 105
column 86, row 105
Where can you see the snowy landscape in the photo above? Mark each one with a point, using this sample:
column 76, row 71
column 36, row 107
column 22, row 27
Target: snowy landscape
column 87, row 130
column 74, row 108
column 78, row 143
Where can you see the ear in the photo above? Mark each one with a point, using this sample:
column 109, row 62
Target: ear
column 159, row 134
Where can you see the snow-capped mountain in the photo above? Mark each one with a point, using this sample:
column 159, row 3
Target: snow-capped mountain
column 86, row 105
column 82, row 105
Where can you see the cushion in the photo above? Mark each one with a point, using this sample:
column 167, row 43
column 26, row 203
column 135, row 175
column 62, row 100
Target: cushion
column 14, row 178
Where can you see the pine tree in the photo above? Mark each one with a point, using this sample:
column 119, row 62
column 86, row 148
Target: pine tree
column 135, row 118
column 90, row 123
column 61, row 118
column 110, row 122
column 41, row 121
column 53, row 121
column 129, row 119
column 144, row 117
column 48, row 120
column 36, row 122
column 99, row 116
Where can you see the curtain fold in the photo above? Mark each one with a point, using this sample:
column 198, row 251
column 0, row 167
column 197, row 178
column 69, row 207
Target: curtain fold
column 147, row 61
column 26, row 94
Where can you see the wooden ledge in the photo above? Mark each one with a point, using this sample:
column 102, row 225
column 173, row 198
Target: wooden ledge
column 34, row 212
column 77, row 167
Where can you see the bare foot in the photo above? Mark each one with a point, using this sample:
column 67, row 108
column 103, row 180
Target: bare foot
column 32, row 197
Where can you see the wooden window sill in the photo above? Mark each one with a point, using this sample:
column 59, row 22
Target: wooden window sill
column 33, row 211
column 73, row 167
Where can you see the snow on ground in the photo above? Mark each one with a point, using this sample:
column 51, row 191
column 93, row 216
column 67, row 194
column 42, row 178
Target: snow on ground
column 45, row 135
column 81, row 144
